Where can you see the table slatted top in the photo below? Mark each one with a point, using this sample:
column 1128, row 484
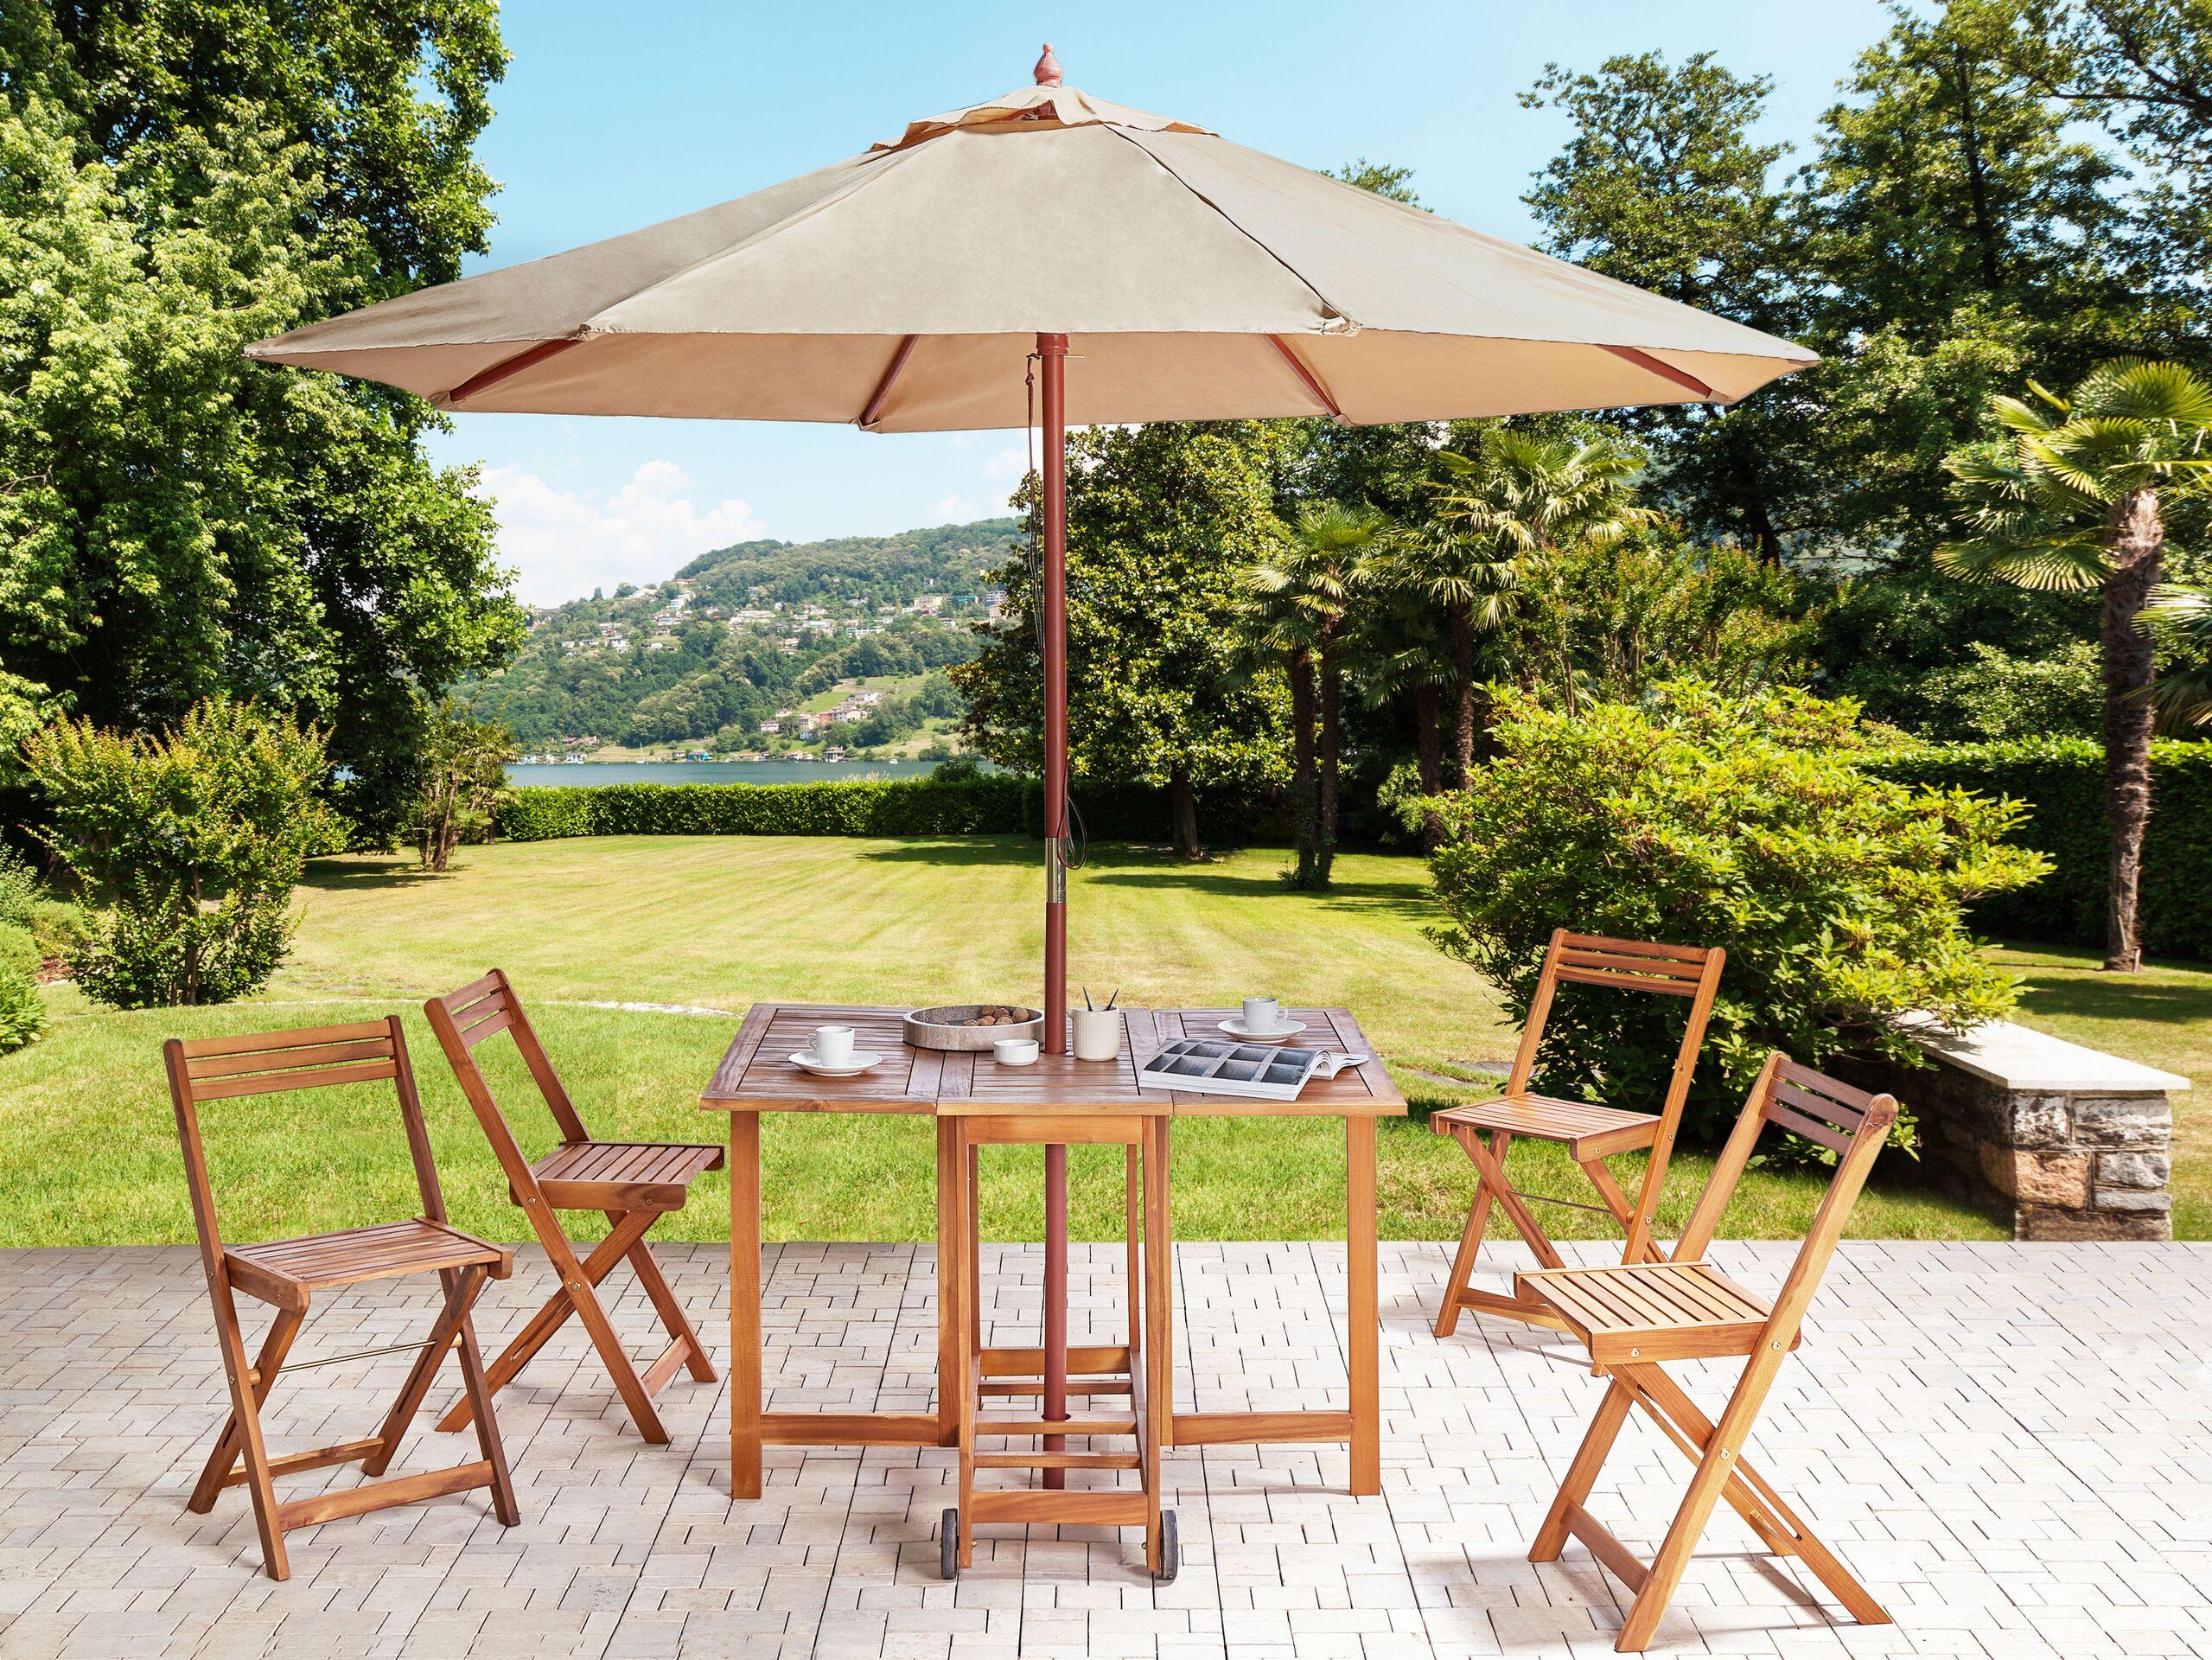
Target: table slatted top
column 756, row 1074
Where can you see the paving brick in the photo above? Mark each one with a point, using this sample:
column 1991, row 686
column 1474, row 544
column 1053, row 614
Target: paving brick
column 2011, row 1444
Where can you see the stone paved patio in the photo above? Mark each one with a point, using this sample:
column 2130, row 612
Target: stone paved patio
column 2011, row 1444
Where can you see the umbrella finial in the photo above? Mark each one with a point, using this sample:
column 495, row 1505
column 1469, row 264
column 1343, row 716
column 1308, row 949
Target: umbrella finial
column 1048, row 69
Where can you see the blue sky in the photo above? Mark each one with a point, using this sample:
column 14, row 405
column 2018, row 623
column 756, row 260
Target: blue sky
column 613, row 117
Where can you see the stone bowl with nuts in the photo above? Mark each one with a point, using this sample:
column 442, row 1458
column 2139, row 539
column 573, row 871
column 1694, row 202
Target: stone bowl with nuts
column 972, row 1026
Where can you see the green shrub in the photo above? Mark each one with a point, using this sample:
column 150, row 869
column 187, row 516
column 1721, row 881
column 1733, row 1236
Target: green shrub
column 2061, row 784
column 19, row 951
column 59, row 927
column 23, row 1009
column 20, row 889
column 1695, row 820
column 194, row 838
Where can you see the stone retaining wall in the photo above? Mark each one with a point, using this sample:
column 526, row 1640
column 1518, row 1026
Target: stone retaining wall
column 2069, row 1142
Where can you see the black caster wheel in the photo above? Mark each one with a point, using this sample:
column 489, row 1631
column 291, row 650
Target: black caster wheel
column 1170, row 1550
column 948, row 1545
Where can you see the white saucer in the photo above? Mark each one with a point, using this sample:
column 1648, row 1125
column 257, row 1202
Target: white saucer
column 1237, row 1029
column 861, row 1061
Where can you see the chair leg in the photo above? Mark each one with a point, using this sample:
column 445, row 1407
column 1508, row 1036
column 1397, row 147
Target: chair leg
column 1755, row 1498
column 461, row 1289
column 246, row 1413
column 1582, row 1473
column 1471, row 1242
column 554, row 1313
column 663, row 1298
column 608, row 1343
column 224, row 1456
column 479, row 1394
column 1624, row 1212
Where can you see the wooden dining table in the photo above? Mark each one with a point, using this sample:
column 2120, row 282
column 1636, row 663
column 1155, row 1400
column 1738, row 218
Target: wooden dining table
column 756, row 1078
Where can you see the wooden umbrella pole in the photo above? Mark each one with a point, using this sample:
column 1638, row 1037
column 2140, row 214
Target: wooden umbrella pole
column 1052, row 351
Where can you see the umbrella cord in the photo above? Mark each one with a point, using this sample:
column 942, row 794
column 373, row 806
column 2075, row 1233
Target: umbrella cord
column 1079, row 855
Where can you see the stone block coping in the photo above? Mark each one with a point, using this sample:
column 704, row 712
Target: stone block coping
column 2017, row 1058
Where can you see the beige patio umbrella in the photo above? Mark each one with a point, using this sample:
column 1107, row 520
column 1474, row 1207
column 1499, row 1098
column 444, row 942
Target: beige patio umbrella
column 1154, row 271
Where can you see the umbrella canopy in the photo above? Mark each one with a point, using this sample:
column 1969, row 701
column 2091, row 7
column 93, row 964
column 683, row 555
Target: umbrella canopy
column 903, row 289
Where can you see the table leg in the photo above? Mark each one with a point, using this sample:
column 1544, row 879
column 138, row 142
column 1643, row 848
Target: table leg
column 1364, row 1330
column 745, row 1305
column 951, row 1276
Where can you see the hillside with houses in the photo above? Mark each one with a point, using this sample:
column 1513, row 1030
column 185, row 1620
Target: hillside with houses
column 764, row 648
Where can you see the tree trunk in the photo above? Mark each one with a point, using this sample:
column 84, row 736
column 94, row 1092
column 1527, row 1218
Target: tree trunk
column 1462, row 668
column 1332, row 743
column 1976, row 171
column 2135, row 536
column 1183, row 804
column 1428, row 747
column 1305, row 802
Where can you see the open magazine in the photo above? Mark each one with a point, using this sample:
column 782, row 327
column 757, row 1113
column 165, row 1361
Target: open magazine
column 1213, row 1067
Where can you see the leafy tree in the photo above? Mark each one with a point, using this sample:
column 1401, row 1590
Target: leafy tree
column 195, row 839
column 1304, row 600
column 1989, row 695
column 1162, row 522
column 2141, row 67
column 464, row 779
column 1744, row 821
column 1611, row 618
column 1662, row 184
column 2076, row 498
column 176, row 524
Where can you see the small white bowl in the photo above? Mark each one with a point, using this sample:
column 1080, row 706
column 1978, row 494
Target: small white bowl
column 1015, row 1052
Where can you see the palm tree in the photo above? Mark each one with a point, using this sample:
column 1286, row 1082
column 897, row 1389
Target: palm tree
column 2180, row 616
column 1400, row 650
column 2075, row 498
column 1517, row 496
column 1304, row 600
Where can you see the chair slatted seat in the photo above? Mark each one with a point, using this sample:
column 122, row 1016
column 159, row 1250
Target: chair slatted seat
column 1590, row 1132
column 634, row 1184
column 1634, row 1316
column 620, row 1175
column 289, row 1274
column 295, row 1269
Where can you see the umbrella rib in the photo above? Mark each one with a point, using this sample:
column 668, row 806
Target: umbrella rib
column 1667, row 371
column 484, row 379
column 874, row 404
column 1312, row 380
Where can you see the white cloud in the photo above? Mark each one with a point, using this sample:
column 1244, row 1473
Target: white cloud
column 1010, row 462
column 564, row 543
column 952, row 509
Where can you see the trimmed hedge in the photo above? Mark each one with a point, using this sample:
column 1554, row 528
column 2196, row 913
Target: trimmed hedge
column 997, row 804
column 855, row 806
column 2061, row 781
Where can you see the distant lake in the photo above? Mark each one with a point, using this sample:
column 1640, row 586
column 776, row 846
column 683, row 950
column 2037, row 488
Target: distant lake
column 714, row 772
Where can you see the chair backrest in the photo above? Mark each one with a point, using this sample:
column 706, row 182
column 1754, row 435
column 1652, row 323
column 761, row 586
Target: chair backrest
column 1629, row 966
column 269, row 1062
column 1849, row 1122
column 483, row 1009
column 1686, row 971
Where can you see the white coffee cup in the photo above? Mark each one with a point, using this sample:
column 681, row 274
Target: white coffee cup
column 834, row 1045
column 1263, row 1014
column 1098, row 1033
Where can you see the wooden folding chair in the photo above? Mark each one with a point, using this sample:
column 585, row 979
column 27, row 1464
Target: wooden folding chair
column 634, row 1182
column 1634, row 1317
column 1591, row 1134
column 288, row 1273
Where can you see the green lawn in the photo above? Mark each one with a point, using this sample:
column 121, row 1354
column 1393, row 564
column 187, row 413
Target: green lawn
column 88, row 1151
